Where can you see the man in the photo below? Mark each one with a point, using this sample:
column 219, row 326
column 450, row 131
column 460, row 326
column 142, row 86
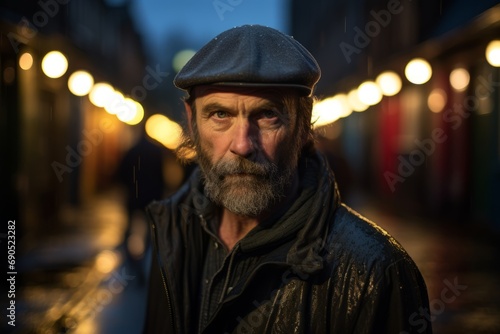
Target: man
column 258, row 241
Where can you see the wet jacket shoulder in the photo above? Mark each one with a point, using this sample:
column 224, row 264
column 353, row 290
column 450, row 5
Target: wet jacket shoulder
column 379, row 289
column 321, row 268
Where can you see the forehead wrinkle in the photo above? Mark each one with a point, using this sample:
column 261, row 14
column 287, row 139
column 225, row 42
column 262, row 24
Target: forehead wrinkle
column 268, row 93
column 247, row 104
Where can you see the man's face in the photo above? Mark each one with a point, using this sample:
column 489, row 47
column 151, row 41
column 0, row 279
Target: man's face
column 246, row 147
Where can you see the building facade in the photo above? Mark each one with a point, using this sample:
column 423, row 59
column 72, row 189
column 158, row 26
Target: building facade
column 58, row 149
column 433, row 148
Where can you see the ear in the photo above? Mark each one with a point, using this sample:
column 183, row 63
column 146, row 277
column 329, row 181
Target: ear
column 189, row 116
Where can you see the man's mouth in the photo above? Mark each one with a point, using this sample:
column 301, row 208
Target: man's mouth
column 243, row 175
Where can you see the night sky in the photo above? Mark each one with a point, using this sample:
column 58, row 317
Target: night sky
column 197, row 21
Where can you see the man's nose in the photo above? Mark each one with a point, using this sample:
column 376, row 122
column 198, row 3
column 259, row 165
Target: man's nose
column 243, row 143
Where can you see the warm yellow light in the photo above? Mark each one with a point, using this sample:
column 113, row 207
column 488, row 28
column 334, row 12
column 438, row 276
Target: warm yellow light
column 107, row 261
column 437, row 100
column 330, row 109
column 189, row 154
column 101, row 94
column 128, row 112
column 418, row 71
column 154, row 125
column 354, row 101
column 80, row 83
column 459, row 79
column 389, row 82
column 54, row 64
column 181, row 58
column 369, row 93
column 493, row 53
column 162, row 129
column 115, row 103
column 139, row 115
column 342, row 103
column 26, row 61
column 323, row 112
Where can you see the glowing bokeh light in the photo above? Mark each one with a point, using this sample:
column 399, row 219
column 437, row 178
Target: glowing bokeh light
column 389, row 83
column 54, row 64
column 128, row 112
column 323, row 112
column 493, row 53
column 355, row 102
column 115, row 103
column 342, row 103
column 459, row 79
column 107, row 261
column 165, row 131
column 369, row 93
column 26, row 61
column 101, row 94
column 139, row 114
column 330, row 109
column 437, row 100
column 418, row 71
column 80, row 83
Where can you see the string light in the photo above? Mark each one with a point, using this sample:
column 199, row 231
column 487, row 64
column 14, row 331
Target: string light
column 418, row 71
column 26, row 61
column 369, row 93
column 54, row 64
column 493, row 53
column 389, row 82
column 80, row 83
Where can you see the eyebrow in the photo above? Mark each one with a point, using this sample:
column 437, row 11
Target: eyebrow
column 266, row 105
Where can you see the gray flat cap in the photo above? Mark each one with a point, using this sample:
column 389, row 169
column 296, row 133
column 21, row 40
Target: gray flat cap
column 251, row 55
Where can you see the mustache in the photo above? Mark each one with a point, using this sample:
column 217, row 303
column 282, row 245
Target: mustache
column 243, row 166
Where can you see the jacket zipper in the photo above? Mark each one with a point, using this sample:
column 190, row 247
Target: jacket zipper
column 226, row 280
column 229, row 273
column 169, row 300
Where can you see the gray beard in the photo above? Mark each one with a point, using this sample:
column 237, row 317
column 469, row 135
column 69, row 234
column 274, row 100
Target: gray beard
column 245, row 187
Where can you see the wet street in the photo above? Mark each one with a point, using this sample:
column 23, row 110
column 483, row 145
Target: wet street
column 79, row 281
column 461, row 267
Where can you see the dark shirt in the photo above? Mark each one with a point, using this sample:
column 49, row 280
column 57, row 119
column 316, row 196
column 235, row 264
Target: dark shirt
column 223, row 269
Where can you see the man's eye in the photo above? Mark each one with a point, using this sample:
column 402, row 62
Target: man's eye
column 269, row 113
column 220, row 114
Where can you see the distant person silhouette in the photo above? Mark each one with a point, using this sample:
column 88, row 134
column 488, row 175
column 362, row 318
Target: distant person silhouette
column 141, row 174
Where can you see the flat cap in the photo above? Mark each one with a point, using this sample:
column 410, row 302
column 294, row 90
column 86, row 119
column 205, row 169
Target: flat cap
column 251, row 55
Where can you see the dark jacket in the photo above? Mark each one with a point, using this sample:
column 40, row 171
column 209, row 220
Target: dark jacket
column 320, row 268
